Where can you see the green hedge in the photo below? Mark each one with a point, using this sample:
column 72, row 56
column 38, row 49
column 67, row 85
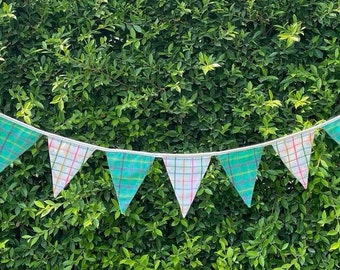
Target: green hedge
column 170, row 76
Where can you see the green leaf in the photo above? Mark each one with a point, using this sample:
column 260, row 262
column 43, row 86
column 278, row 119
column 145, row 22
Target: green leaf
column 56, row 99
column 252, row 254
column 207, row 68
column 335, row 246
column 137, row 28
column 39, row 204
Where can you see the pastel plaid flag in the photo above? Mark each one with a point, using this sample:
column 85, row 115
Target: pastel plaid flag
column 295, row 153
column 14, row 140
column 241, row 168
column 128, row 172
column 333, row 130
column 66, row 160
column 185, row 174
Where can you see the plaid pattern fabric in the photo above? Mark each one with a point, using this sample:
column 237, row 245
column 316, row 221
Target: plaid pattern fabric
column 14, row 140
column 333, row 130
column 241, row 168
column 185, row 175
column 128, row 172
column 295, row 153
column 66, row 160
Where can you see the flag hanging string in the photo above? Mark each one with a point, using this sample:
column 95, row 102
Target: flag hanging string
column 164, row 155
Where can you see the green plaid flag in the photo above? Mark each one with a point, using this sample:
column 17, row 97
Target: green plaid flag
column 333, row 130
column 241, row 168
column 14, row 140
column 128, row 172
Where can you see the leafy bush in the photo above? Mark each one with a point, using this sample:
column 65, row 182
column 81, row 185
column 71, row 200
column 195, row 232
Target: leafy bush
column 170, row 76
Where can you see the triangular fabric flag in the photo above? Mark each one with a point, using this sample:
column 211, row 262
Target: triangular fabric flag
column 185, row 174
column 241, row 168
column 66, row 160
column 295, row 153
column 128, row 172
column 14, row 140
column 333, row 130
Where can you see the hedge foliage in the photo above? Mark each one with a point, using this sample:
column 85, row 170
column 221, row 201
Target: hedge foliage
column 170, row 76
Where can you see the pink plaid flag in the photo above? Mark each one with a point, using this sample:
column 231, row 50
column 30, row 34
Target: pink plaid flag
column 185, row 174
column 66, row 160
column 295, row 153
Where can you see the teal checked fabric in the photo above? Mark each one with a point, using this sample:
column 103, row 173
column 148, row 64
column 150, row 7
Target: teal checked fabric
column 333, row 130
column 241, row 168
column 128, row 172
column 14, row 140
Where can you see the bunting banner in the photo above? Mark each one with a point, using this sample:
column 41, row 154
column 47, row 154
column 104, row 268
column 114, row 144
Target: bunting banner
column 241, row 168
column 185, row 175
column 128, row 168
column 14, row 140
column 128, row 172
column 66, row 160
column 333, row 130
column 295, row 153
